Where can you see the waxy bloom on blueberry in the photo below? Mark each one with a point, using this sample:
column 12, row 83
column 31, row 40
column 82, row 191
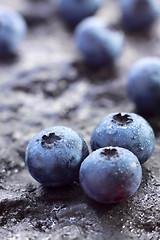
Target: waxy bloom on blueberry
column 127, row 130
column 12, row 30
column 54, row 156
column 73, row 11
column 110, row 174
column 99, row 44
column 139, row 14
column 144, row 85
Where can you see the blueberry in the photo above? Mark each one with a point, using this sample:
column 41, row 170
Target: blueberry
column 144, row 85
column 12, row 30
column 54, row 155
column 110, row 174
column 139, row 14
column 99, row 44
column 127, row 130
column 73, row 11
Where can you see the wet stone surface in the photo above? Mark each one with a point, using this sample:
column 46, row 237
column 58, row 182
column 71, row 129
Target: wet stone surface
column 48, row 84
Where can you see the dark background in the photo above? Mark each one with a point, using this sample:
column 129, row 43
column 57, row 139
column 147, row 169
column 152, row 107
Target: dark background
column 45, row 84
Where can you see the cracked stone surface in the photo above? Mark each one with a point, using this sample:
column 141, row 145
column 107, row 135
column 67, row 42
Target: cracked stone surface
column 46, row 84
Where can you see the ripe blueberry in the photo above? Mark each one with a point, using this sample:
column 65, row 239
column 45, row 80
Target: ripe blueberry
column 99, row 44
column 127, row 130
column 73, row 11
column 144, row 85
column 110, row 174
column 138, row 14
column 12, row 30
column 54, row 155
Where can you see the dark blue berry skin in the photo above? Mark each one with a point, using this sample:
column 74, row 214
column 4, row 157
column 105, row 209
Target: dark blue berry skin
column 54, row 156
column 12, row 30
column 139, row 14
column 110, row 175
column 73, row 11
column 127, row 130
column 144, row 85
column 100, row 45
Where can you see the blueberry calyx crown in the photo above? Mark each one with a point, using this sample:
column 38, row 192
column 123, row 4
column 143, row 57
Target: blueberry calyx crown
column 122, row 119
column 49, row 141
column 109, row 152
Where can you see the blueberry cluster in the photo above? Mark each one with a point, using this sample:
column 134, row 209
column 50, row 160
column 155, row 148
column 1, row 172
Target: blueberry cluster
column 111, row 173
column 121, row 142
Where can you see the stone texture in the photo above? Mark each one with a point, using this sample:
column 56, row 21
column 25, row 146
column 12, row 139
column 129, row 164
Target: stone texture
column 45, row 84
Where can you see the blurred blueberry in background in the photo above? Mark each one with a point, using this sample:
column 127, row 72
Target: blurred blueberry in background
column 99, row 44
column 144, row 85
column 139, row 14
column 12, row 30
column 73, row 11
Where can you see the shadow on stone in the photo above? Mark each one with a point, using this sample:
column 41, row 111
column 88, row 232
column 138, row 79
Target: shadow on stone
column 95, row 74
column 9, row 59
